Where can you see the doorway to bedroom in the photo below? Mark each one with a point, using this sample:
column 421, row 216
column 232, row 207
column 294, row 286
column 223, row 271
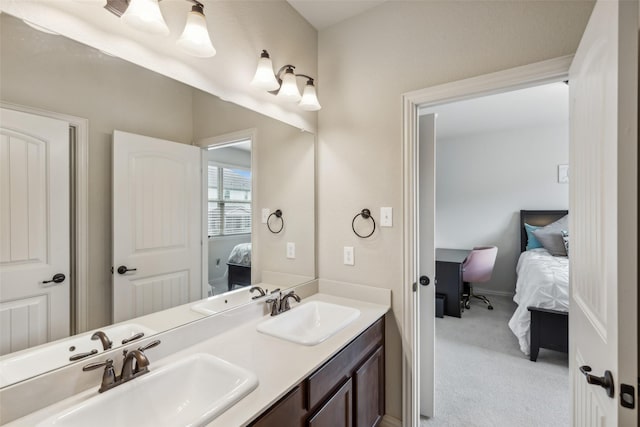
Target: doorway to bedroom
column 496, row 156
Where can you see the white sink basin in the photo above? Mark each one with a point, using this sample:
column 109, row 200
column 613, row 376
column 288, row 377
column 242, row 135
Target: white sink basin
column 33, row 361
column 189, row 392
column 309, row 323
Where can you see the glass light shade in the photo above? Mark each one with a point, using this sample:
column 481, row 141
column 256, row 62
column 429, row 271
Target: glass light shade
column 289, row 89
column 195, row 38
column 309, row 101
column 145, row 15
column 265, row 77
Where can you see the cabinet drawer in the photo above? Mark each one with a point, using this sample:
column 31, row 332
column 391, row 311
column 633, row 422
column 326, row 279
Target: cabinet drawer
column 336, row 371
column 290, row 411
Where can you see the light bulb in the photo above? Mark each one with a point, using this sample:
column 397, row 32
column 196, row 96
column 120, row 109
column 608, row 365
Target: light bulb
column 289, row 89
column 265, row 78
column 195, row 38
column 145, row 15
column 309, row 101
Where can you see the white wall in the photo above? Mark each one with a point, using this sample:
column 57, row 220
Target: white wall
column 484, row 180
column 365, row 64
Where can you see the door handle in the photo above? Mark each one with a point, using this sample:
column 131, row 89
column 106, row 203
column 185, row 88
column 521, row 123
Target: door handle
column 57, row 278
column 606, row 382
column 123, row 269
column 424, row 280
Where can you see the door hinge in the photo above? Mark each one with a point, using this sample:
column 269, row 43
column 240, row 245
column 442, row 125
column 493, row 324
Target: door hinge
column 415, row 287
column 627, row 396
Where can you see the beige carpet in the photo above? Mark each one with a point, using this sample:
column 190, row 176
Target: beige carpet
column 482, row 378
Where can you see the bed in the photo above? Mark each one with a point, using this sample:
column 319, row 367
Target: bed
column 239, row 265
column 542, row 292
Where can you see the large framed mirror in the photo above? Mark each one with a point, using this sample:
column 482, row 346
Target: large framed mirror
column 248, row 167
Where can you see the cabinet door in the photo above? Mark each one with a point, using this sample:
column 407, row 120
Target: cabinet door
column 288, row 412
column 369, row 390
column 337, row 412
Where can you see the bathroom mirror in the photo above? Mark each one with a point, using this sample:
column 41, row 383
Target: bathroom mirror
column 41, row 72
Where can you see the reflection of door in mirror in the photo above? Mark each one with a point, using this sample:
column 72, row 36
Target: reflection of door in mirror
column 34, row 230
column 229, row 197
column 156, row 225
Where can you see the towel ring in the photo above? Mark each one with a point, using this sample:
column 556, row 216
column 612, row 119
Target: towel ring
column 278, row 214
column 366, row 214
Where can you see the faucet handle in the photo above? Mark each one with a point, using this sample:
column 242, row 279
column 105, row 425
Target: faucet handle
column 109, row 378
column 260, row 291
column 275, row 305
column 91, row 366
column 150, row 345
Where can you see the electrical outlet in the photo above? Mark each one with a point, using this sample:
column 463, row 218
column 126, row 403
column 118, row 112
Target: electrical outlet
column 265, row 215
column 291, row 250
column 386, row 217
column 348, row 255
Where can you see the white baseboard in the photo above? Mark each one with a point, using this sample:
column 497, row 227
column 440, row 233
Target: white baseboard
column 389, row 421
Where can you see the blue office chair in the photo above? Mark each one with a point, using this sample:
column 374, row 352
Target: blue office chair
column 478, row 268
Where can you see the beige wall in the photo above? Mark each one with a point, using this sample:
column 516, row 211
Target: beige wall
column 55, row 74
column 286, row 169
column 365, row 64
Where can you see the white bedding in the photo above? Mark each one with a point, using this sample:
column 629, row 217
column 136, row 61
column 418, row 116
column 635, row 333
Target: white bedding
column 241, row 255
column 543, row 281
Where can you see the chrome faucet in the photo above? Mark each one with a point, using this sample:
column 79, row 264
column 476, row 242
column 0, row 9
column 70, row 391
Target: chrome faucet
column 280, row 304
column 104, row 339
column 134, row 365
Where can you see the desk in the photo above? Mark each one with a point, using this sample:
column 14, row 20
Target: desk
column 449, row 277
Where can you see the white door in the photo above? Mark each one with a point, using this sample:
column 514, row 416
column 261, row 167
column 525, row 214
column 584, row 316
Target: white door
column 34, row 230
column 603, row 82
column 156, row 225
column 426, row 259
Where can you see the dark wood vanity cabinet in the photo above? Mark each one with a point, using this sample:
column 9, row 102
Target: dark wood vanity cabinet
column 347, row 391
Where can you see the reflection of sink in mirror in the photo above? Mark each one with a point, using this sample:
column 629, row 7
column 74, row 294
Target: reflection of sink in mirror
column 309, row 323
column 24, row 364
column 192, row 391
column 218, row 303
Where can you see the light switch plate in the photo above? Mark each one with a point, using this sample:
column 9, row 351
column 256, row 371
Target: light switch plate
column 291, row 250
column 386, row 217
column 348, row 256
column 265, row 215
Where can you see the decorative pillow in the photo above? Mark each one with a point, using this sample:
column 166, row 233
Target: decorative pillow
column 565, row 240
column 550, row 236
column 532, row 242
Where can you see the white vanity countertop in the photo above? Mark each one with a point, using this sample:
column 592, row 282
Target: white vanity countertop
column 279, row 365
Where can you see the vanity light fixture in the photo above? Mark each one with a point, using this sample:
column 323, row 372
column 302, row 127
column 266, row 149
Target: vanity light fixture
column 284, row 83
column 145, row 15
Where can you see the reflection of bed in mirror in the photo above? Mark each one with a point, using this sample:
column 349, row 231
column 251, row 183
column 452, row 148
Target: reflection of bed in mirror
column 542, row 291
column 239, row 265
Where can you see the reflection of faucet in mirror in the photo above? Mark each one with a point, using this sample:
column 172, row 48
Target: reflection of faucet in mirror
column 104, row 339
column 259, row 289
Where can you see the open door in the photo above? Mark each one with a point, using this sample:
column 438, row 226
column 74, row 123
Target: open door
column 603, row 322
column 426, row 260
column 34, row 230
column 156, row 225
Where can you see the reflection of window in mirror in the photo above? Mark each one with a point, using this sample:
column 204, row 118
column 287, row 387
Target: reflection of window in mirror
column 229, row 216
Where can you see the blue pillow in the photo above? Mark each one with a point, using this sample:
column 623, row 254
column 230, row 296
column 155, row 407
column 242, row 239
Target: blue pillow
column 532, row 242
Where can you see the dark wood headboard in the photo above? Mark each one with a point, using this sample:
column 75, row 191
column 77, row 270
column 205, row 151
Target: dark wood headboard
column 539, row 218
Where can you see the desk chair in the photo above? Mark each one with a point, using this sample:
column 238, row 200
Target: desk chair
column 477, row 268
